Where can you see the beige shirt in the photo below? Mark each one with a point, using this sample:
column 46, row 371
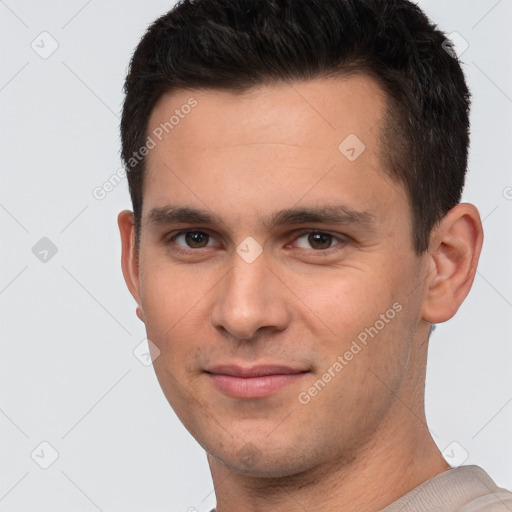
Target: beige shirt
column 460, row 489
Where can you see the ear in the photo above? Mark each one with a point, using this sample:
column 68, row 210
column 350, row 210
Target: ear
column 455, row 246
column 129, row 257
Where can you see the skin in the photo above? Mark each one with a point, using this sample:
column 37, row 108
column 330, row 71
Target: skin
column 243, row 157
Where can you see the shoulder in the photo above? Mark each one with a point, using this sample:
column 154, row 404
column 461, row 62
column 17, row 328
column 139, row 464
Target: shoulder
column 491, row 499
column 496, row 501
column 459, row 489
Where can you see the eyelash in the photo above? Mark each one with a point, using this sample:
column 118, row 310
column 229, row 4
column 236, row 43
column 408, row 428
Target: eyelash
column 342, row 239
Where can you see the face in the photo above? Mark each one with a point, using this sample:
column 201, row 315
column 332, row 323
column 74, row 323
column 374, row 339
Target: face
column 277, row 275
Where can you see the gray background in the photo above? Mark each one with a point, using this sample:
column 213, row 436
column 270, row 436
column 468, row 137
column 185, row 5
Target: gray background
column 68, row 330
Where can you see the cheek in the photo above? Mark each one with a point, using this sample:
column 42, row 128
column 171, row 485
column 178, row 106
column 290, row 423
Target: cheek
column 171, row 295
column 366, row 325
column 348, row 300
column 360, row 370
column 169, row 320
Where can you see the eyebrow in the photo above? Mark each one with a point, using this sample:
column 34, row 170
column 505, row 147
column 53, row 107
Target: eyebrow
column 330, row 214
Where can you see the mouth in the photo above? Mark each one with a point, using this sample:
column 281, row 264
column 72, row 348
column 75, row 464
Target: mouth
column 255, row 381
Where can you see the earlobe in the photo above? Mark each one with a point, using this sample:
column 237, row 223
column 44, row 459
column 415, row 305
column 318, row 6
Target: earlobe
column 454, row 252
column 129, row 257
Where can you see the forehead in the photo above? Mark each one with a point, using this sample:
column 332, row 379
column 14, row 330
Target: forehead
column 309, row 110
column 270, row 147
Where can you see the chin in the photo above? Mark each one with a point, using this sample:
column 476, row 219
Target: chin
column 267, row 462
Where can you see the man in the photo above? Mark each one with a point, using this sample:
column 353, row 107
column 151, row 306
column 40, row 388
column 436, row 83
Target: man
column 296, row 168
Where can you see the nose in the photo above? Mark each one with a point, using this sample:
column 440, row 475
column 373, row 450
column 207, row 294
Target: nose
column 251, row 298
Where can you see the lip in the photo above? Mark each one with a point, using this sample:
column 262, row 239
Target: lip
column 255, row 381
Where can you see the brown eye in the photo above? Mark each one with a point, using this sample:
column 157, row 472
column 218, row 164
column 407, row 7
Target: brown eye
column 320, row 240
column 193, row 239
column 196, row 239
